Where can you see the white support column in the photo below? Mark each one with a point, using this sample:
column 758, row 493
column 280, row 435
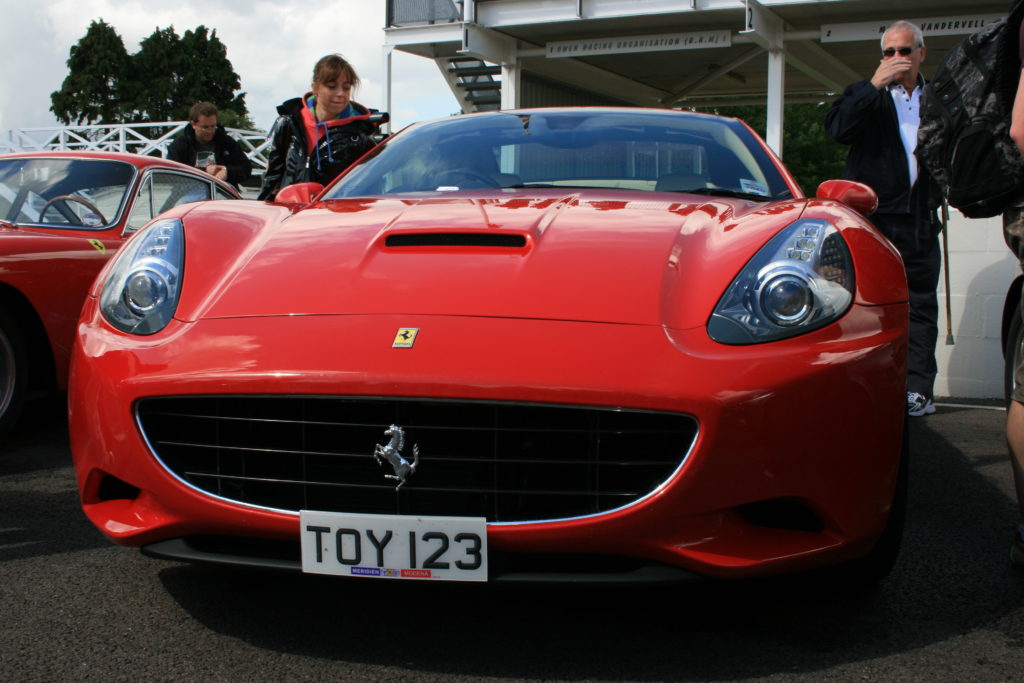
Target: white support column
column 776, row 97
column 767, row 30
column 510, row 79
column 388, row 52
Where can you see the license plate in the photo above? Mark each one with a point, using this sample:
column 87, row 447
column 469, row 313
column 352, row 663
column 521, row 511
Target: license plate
column 394, row 546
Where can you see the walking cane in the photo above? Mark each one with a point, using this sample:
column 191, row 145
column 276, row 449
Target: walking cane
column 945, row 258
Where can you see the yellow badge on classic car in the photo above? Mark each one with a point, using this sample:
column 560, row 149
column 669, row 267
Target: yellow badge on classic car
column 98, row 246
column 405, row 338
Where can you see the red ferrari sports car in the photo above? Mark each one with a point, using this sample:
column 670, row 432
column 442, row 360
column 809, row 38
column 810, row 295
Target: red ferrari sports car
column 62, row 214
column 552, row 344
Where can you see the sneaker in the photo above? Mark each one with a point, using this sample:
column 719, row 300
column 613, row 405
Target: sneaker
column 919, row 404
column 1017, row 547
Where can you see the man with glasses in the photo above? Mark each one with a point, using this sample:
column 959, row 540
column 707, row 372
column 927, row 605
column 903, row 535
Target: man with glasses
column 206, row 145
column 878, row 118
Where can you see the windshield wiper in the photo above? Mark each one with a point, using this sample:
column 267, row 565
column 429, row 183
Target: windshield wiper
column 531, row 186
column 722, row 192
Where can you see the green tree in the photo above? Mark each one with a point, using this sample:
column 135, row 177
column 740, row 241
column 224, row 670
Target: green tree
column 810, row 154
column 229, row 119
column 93, row 90
column 160, row 82
column 208, row 75
column 156, row 77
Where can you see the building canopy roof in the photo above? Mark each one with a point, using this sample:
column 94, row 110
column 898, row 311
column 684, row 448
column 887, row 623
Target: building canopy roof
column 681, row 52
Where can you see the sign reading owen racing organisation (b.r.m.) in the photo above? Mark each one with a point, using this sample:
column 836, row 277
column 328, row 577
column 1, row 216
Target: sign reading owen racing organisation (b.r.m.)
column 623, row 44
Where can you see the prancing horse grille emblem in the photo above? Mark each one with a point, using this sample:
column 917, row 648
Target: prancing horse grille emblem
column 392, row 452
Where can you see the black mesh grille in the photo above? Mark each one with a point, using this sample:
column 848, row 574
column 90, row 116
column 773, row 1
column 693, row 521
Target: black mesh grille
column 503, row 461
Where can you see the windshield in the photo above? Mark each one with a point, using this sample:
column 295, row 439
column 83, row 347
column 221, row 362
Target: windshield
column 643, row 150
column 80, row 193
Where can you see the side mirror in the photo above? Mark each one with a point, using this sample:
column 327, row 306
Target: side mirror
column 857, row 196
column 299, row 193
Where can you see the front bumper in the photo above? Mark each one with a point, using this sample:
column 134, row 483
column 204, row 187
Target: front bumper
column 810, row 426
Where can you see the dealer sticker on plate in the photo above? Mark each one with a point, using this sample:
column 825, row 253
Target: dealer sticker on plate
column 394, row 546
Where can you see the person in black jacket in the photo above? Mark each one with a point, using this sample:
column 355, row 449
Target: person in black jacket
column 878, row 118
column 206, row 145
column 318, row 135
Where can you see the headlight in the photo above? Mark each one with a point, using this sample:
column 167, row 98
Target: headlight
column 799, row 281
column 141, row 292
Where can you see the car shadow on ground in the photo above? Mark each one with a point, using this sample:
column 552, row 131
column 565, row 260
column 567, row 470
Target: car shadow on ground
column 42, row 419
column 39, row 508
column 714, row 630
column 36, row 524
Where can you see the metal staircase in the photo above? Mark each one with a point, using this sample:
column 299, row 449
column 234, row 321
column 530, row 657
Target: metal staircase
column 475, row 83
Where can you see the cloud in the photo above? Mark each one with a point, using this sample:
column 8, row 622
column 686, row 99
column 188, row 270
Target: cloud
column 27, row 34
column 272, row 46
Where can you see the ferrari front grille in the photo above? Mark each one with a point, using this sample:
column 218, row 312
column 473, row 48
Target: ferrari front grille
column 507, row 462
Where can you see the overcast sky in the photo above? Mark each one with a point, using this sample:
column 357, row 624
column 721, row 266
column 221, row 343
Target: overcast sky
column 271, row 44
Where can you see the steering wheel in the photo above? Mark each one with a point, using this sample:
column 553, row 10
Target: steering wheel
column 70, row 197
column 454, row 173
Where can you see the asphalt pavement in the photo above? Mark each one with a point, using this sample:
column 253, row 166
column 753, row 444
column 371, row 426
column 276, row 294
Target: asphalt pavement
column 75, row 607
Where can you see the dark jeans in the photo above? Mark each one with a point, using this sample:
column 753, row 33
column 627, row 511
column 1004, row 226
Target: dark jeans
column 917, row 240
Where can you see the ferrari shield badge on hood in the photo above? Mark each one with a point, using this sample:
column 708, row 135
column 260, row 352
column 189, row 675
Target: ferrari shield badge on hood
column 405, row 338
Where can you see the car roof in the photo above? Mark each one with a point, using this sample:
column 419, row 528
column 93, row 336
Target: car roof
column 140, row 161
column 136, row 159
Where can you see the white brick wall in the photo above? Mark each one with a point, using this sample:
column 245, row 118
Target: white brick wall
column 981, row 270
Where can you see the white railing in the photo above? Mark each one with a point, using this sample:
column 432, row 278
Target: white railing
column 137, row 138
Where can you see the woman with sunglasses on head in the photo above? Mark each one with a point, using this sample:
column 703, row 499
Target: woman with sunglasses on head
column 878, row 118
column 320, row 134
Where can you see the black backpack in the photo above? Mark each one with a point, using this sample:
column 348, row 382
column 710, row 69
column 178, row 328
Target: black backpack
column 964, row 136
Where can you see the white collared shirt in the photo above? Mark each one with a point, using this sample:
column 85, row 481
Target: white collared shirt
column 908, row 111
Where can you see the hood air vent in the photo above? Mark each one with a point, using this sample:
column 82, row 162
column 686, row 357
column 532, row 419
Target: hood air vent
column 456, row 239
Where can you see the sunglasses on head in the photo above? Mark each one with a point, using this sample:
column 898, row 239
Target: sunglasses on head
column 904, row 51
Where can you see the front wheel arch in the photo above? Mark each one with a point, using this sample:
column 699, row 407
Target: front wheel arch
column 14, row 370
column 41, row 363
column 877, row 564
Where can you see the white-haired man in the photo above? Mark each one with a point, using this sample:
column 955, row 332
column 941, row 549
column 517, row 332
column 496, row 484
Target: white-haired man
column 878, row 118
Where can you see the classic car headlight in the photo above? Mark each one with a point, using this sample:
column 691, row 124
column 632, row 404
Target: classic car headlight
column 141, row 292
column 799, row 281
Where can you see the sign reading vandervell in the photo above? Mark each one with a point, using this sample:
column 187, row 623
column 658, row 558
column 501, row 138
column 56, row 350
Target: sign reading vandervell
column 930, row 26
column 659, row 43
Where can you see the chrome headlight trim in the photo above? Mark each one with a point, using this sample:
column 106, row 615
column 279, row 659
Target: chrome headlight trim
column 141, row 292
column 801, row 280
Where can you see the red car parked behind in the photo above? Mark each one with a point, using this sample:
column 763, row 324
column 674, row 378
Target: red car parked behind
column 62, row 214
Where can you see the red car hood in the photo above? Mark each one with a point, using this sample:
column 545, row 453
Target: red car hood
column 593, row 255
